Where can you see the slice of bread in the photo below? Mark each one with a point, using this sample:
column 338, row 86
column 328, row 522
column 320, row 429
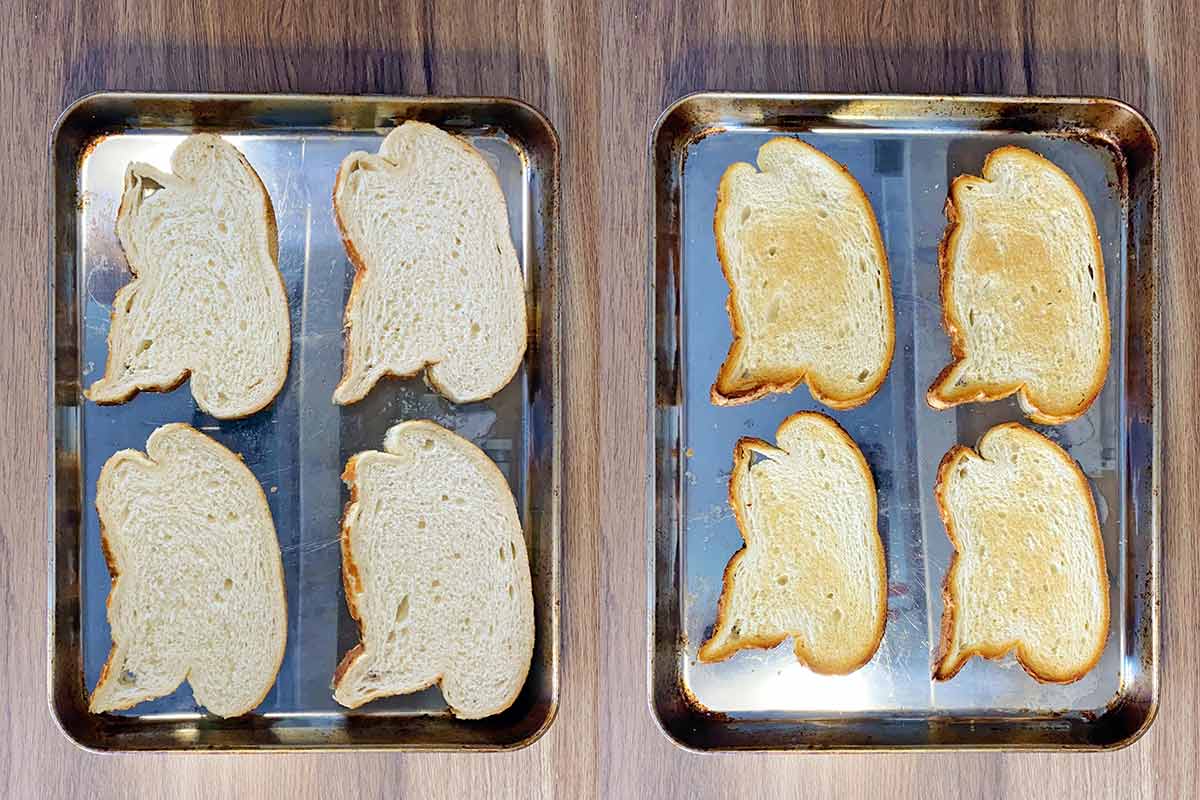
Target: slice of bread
column 207, row 299
column 810, row 295
column 437, row 284
column 813, row 565
column 436, row 573
column 1028, row 569
column 1022, row 285
column 198, row 591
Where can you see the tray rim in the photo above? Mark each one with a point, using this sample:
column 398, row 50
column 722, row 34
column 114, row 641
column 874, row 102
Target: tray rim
column 1155, row 490
column 552, row 510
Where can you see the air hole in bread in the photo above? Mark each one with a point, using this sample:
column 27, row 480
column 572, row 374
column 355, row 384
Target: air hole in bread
column 144, row 345
column 510, row 590
column 222, row 228
column 782, row 580
column 1093, row 297
column 445, row 497
column 502, row 555
column 437, row 598
column 402, row 610
column 837, row 615
column 420, row 524
column 512, row 549
column 456, row 556
column 745, row 215
column 232, row 516
column 1091, row 272
column 823, row 214
column 435, row 583
column 971, row 317
column 962, row 472
column 228, row 584
column 128, row 677
column 474, row 328
column 771, row 251
column 454, row 254
column 862, row 376
column 821, row 453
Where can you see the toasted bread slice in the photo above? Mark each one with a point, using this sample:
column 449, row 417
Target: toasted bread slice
column 207, row 299
column 198, row 591
column 810, row 295
column 436, row 573
column 1028, row 569
column 437, row 284
column 1022, row 285
column 813, row 565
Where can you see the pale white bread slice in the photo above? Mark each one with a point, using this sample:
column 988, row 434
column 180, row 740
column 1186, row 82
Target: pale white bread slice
column 1028, row 569
column 437, row 283
column 198, row 591
column 436, row 573
column 207, row 299
column 813, row 566
column 810, row 295
column 1022, row 286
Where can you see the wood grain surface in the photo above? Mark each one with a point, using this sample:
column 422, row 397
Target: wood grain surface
column 601, row 70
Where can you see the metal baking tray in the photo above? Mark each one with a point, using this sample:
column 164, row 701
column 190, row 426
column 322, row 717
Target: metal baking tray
column 904, row 151
column 298, row 445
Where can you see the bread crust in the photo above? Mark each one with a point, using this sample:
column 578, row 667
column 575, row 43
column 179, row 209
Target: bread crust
column 988, row 392
column 710, row 652
column 360, row 271
column 115, row 572
column 787, row 381
column 123, row 211
column 945, row 667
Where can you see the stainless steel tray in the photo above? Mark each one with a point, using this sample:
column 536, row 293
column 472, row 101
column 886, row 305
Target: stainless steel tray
column 299, row 444
column 904, row 151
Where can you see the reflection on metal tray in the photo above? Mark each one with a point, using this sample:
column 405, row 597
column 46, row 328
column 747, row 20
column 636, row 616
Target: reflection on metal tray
column 904, row 151
column 298, row 445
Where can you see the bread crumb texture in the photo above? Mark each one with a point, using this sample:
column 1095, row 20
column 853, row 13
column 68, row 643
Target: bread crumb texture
column 198, row 591
column 813, row 564
column 1028, row 571
column 436, row 574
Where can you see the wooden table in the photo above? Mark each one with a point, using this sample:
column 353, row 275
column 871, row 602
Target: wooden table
column 601, row 72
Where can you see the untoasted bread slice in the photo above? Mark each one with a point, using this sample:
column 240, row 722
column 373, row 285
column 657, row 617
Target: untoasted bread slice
column 1028, row 570
column 810, row 295
column 207, row 299
column 813, row 565
column 198, row 591
column 437, row 283
column 436, row 573
column 1022, row 285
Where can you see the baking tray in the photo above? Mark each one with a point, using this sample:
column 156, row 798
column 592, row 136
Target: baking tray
column 904, row 151
column 298, row 445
